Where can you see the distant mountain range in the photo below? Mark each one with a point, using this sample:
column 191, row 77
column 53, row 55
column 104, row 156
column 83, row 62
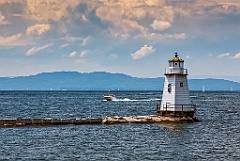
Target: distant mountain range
column 105, row 81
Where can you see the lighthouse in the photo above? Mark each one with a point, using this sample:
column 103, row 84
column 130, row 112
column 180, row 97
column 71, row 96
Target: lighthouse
column 175, row 97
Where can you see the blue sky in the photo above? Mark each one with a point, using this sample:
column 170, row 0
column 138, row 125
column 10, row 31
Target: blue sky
column 134, row 37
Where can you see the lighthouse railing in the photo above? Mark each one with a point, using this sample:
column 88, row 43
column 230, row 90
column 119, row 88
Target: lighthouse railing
column 176, row 71
column 177, row 107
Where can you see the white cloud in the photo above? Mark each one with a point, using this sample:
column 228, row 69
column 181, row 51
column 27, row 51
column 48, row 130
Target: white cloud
column 128, row 17
column 73, row 39
column 64, row 45
column 84, row 18
column 160, row 25
column 188, row 57
column 206, row 8
column 3, row 20
column 73, row 54
column 10, row 39
column 34, row 50
column 223, row 55
column 83, row 53
column 85, row 41
column 42, row 10
column 38, row 29
column 144, row 51
column 227, row 55
column 158, row 37
column 14, row 40
column 236, row 56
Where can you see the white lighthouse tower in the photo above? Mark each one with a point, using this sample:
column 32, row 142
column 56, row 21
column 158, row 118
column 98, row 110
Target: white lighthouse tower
column 175, row 97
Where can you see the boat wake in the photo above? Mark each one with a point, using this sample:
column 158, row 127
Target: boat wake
column 135, row 100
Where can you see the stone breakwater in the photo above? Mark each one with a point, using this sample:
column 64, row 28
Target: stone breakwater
column 20, row 122
column 146, row 119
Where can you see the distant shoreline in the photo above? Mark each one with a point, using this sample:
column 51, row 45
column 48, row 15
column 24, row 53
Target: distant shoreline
column 76, row 90
column 103, row 81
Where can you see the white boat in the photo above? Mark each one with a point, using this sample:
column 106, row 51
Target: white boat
column 110, row 97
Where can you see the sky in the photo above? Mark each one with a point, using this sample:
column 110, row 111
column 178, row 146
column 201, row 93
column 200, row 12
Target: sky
column 134, row 37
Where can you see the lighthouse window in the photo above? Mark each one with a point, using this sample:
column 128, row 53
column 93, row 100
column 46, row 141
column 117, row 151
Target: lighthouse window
column 181, row 84
column 169, row 88
column 181, row 64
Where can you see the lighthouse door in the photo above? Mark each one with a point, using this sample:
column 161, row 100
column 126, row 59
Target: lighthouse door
column 167, row 106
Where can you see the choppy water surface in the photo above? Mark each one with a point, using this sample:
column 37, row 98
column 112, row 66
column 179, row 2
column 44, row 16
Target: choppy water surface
column 215, row 137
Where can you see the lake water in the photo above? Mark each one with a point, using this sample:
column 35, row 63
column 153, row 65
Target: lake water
column 215, row 137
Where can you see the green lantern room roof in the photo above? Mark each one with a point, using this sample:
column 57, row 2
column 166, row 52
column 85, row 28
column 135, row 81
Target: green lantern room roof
column 176, row 59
